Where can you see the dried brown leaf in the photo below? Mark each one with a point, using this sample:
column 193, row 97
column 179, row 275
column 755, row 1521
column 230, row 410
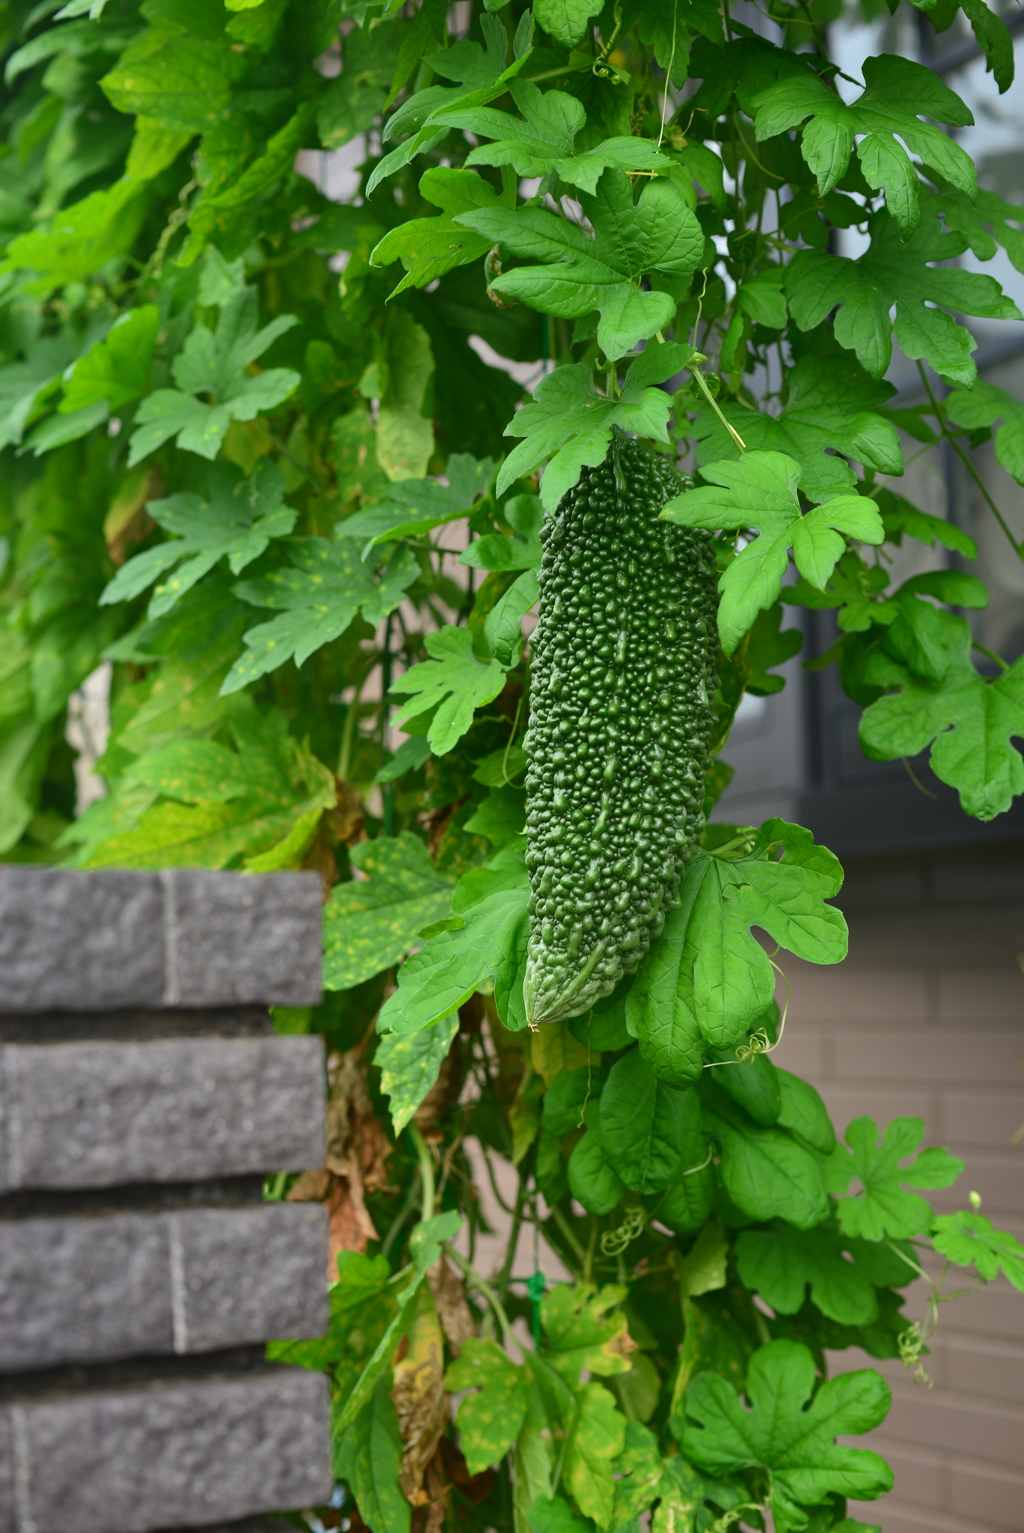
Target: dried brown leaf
column 311, row 1187
column 350, row 1227
column 475, row 1487
column 347, row 822
column 454, row 1313
column 428, row 1513
column 127, row 522
column 418, row 1393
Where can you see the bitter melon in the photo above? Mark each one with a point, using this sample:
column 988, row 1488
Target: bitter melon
column 620, row 718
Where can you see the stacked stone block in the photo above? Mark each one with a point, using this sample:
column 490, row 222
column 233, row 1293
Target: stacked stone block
column 143, row 1098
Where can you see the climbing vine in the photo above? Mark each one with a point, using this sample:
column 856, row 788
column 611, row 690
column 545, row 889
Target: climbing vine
column 317, row 317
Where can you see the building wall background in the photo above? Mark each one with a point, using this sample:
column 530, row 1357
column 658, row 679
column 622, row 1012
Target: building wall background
column 926, row 1018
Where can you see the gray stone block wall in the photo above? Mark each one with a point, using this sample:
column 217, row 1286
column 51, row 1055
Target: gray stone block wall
column 74, row 941
column 164, row 1110
column 143, row 1098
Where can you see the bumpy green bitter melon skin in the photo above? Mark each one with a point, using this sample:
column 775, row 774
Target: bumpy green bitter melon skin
column 620, row 718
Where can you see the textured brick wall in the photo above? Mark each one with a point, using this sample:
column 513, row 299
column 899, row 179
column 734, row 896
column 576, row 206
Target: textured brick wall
column 926, row 1018
column 143, row 1097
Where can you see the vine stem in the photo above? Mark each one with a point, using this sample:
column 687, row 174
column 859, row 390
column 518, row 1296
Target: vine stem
column 481, row 1285
column 948, row 436
column 511, row 742
column 348, row 731
column 399, row 1221
column 668, row 74
column 513, row 1239
column 738, row 441
column 588, row 1259
column 426, row 1168
column 388, row 793
column 568, row 1234
column 990, row 654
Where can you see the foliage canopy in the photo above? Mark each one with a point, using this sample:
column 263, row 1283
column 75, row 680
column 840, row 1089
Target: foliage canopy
column 266, row 455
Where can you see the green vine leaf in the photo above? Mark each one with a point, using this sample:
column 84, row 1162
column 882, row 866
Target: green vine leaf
column 226, row 202
column 368, row 1455
column 687, row 1206
column 453, row 682
column 992, row 35
column 215, row 362
column 409, row 1064
column 237, row 523
column 553, row 1514
column 116, row 370
column 788, row 1433
column 370, row 923
column 781, row 1263
column 565, row 20
column 899, row 517
column 592, row 1181
column 568, row 1094
column 354, row 98
column 969, row 1239
column 883, row 1207
column 760, row 490
column 399, row 380
column 429, row 247
column 755, row 1085
column 665, row 29
column 804, row 1113
column 706, row 977
column 535, row 1454
column 503, row 625
column 638, row 1469
column 495, row 551
column 683, row 1490
column 660, row 1009
column 831, row 411
column 982, row 407
column 916, row 635
column 764, row 1171
column 482, row 74
column 489, row 1422
column 317, row 596
column 571, row 419
column 658, row 234
column 899, row 93
column 650, row 1132
column 543, row 140
column 986, row 223
column 896, row 273
column 967, row 720
column 451, row 965
column 412, row 507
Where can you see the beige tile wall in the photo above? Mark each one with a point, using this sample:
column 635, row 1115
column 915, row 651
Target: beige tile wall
column 926, row 1018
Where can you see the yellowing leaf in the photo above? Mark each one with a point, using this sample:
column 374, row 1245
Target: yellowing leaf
column 585, row 1329
column 489, row 1421
column 370, row 923
column 596, row 1438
